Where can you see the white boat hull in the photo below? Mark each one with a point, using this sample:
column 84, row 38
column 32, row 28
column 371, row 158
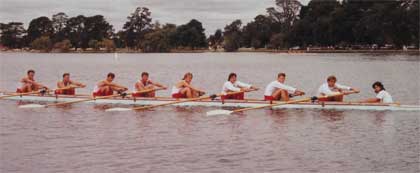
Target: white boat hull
column 219, row 103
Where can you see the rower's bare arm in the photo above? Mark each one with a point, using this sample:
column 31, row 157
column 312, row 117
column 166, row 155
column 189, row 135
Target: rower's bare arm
column 355, row 89
column 40, row 85
column 159, row 85
column 139, row 86
column 371, row 100
column 26, row 80
column 60, row 85
column 79, row 84
column 299, row 93
column 193, row 88
column 106, row 83
column 119, row 86
column 252, row 88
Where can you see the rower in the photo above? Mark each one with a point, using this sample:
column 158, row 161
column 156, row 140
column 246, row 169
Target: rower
column 28, row 83
column 66, row 82
column 233, row 85
column 184, row 89
column 146, row 84
column 107, row 87
column 382, row 96
column 331, row 87
column 277, row 90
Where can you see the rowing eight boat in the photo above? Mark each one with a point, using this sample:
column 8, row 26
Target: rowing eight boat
column 219, row 103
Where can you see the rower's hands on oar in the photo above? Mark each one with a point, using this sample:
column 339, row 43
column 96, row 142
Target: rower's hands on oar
column 122, row 89
column 352, row 91
column 355, row 90
column 80, row 86
column 249, row 89
column 253, row 88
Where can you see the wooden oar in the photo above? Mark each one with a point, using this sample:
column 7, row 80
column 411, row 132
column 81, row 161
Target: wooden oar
column 36, row 92
column 227, row 112
column 171, row 103
column 19, row 94
column 84, row 100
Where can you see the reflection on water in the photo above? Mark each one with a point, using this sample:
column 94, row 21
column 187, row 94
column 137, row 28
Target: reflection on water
column 85, row 138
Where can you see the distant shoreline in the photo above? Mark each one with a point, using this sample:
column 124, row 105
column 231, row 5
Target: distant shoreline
column 400, row 51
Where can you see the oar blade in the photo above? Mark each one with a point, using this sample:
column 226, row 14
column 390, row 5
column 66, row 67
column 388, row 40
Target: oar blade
column 219, row 112
column 28, row 106
column 117, row 109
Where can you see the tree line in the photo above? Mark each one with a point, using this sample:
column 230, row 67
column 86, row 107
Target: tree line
column 321, row 23
column 326, row 23
column 81, row 32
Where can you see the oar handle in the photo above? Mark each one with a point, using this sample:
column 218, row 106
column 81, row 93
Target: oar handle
column 186, row 100
column 84, row 100
column 271, row 105
column 170, row 103
column 148, row 90
column 294, row 101
column 232, row 93
column 35, row 92
column 20, row 94
column 67, row 87
column 334, row 95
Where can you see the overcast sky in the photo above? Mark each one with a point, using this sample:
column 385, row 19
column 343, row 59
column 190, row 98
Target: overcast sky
column 213, row 14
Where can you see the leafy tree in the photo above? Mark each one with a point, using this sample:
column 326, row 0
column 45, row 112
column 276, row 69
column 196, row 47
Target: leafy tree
column 139, row 23
column 11, row 34
column 216, row 39
column 257, row 33
column 74, row 30
column 41, row 26
column 232, row 36
column 42, row 43
column 278, row 41
column 97, row 28
column 119, row 39
column 191, row 35
column 59, row 22
column 286, row 12
column 160, row 39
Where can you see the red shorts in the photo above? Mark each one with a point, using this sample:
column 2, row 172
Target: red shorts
column 99, row 93
column 239, row 96
column 179, row 95
column 329, row 99
column 139, row 95
column 71, row 91
column 268, row 98
column 18, row 90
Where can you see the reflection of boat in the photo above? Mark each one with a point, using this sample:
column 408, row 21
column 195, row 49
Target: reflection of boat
column 219, row 103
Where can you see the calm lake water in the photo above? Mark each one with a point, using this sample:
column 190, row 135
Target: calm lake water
column 85, row 138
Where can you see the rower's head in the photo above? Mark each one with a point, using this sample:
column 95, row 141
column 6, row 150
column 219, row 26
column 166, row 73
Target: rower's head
column 110, row 77
column 188, row 77
column 232, row 77
column 378, row 87
column 281, row 77
column 144, row 76
column 331, row 80
column 66, row 77
column 31, row 73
